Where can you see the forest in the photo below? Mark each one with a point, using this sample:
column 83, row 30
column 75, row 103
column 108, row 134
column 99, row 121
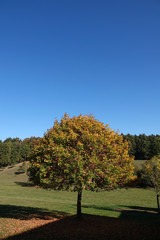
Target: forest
column 143, row 147
column 15, row 150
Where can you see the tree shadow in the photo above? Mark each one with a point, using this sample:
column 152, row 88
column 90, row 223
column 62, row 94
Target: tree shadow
column 26, row 213
column 19, row 172
column 67, row 227
column 135, row 212
column 132, row 212
column 91, row 227
column 25, row 184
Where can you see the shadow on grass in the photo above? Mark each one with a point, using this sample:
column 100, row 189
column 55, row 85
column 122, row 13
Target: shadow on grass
column 139, row 213
column 91, row 227
column 19, row 172
column 132, row 212
column 26, row 213
column 25, row 184
column 63, row 226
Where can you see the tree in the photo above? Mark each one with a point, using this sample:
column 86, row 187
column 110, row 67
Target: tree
column 26, row 146
column 15, row 152
column 142, row 147
column 80, row 153
column 5, row 153
column 152, row 169
column 154, row 148
column 132, row 143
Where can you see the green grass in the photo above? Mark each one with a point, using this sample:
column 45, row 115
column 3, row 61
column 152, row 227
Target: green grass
column 139, row 163
column 16, row 191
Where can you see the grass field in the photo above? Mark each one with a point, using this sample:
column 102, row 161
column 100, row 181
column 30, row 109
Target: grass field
column 23, row 207
column 139, row 163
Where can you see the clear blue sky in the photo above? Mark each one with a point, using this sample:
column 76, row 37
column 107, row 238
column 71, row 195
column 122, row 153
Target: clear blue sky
column 79, row 56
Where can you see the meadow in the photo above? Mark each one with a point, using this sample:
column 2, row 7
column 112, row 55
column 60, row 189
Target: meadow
column 28, row 212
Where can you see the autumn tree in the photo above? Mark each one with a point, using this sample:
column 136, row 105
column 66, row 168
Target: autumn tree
column 152, row 169
column 80, row 153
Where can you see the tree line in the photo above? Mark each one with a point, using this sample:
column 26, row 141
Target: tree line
column 14, row 150
column 143, row 147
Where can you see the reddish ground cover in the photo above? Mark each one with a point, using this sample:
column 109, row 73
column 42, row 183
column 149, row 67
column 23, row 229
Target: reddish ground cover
column 89, row 227
column 11, row 226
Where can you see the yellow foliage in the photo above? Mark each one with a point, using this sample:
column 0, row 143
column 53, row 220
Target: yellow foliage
column 81, row 153
column 133, row 182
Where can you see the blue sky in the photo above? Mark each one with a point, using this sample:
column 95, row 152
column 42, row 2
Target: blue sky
column 84, row 56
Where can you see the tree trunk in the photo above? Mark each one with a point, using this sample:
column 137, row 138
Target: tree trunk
column 79, row 203
column 158, row 202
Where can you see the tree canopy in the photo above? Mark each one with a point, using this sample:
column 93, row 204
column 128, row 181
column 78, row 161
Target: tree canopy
column 152, row 169
column 80, row 153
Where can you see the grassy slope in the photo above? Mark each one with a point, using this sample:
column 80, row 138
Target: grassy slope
column 15, row 191
column 139, row 163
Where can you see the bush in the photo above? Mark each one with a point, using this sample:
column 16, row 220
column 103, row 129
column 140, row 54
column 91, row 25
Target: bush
column 134, row 181
column 144, row 179
column 140, row 178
